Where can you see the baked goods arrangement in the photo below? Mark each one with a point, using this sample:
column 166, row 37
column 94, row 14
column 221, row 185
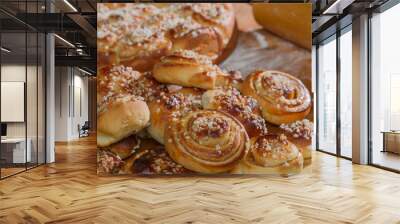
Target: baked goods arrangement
column 138, row 35
column 166, row 107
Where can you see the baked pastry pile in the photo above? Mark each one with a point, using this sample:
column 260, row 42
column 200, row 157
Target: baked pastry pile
column 181, row 113
column 138, row 35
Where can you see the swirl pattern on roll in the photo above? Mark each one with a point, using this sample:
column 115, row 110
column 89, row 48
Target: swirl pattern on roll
column 206, row 141
column 244, row 108
column 272, row 154
column 283, row 97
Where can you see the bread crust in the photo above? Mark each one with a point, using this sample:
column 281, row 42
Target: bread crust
column 121, row 117
column 283, row 98
column 187, row 68
column 137, row 35
column 243, row 108
column 206, row 141
column 123, row 80
column 126, row 147
column 300, row 133
column 271, row 154
column 171, row 105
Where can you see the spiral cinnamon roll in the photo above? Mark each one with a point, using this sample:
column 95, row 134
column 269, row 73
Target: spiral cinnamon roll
column 206, row 141
column 271, row 154
column 283, row 98
column 187, row 68
column 243, row 108
column 300, row 133
column 171, row 105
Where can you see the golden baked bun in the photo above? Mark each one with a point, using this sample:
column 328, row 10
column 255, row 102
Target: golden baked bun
column 123, row 80
column 126, row 147
column 172, row 105
column 206, row 141
column 243, row 108
column 121, row 117
column 300, row 133
column 271, row 154
column 283, row 98
column 137, row 35
column 187, row 68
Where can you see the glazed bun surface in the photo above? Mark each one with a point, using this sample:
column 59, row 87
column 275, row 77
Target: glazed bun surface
column 138, row 35
column 121, row 117
column 283, row 98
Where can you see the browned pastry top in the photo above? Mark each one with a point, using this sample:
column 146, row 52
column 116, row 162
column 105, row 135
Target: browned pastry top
column 273, row 150
column 190, row 57
column 108, row 162
column 209, row 136
column 244, row 108
column 299, row 129
column 137, row 23
column 157, row 161
column 283, row 90
column 299, row 132
column 180, row 101
column 127, row 33
column 125, row 147
column 124, row 80
column 151, row 158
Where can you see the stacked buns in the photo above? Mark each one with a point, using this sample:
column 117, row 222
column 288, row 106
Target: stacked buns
column 138, row 35
column 165, row 107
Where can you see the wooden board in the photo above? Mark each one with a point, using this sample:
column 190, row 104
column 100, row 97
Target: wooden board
column 263, row 50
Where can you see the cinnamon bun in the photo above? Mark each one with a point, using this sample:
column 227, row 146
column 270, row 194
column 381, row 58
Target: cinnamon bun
column 283, row 98
column 271, row 154
column 300, row 133
column 172, row 105
column 243, row 108
column 206, row 141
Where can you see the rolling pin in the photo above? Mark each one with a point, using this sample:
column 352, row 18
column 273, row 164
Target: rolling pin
column 291, row 21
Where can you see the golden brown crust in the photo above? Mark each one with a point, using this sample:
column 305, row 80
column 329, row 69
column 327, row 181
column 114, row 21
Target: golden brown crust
column 108, row 163
column 152, row 158
column 126, row 147
column 120, row 117
column 300, row 133
column 282, row 97
column 206, row 141
column 271, row 154
column 123, row 80
column 139, row 34
column 187, row 68
column 243, row 108
column 172, row 105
